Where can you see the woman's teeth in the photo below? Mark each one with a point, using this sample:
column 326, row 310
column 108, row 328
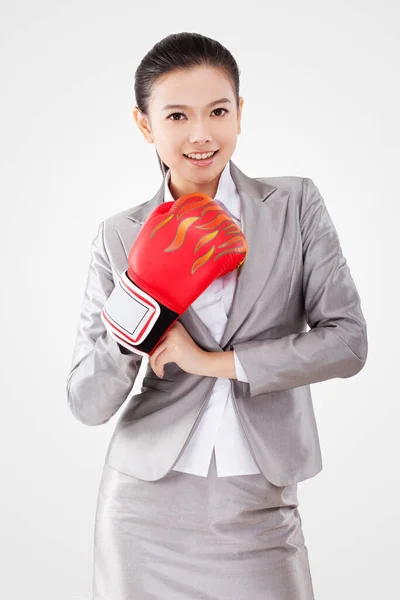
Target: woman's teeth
column 201, row 156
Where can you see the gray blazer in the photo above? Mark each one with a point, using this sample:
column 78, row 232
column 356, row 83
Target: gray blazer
column 294, row 275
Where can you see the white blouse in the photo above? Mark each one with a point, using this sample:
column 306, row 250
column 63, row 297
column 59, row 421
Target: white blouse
column 220, row 425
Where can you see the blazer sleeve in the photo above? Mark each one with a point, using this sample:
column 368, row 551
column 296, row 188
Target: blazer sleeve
column 336, row 344
column 101, row 376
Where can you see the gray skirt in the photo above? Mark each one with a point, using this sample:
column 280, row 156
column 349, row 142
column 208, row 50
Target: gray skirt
column 186, row 537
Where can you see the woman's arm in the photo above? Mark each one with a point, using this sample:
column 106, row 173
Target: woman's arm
column 336, row 345
column 222, row 364
column 101, row 376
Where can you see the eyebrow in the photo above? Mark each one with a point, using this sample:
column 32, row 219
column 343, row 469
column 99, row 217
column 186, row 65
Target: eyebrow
column 169, row 106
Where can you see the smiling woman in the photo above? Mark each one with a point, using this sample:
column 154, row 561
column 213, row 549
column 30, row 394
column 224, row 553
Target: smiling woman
column 203, row 466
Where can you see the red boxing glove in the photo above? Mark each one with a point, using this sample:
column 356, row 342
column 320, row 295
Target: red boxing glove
column 182, row 247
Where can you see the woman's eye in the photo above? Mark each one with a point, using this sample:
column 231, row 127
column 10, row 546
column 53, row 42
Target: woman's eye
column 179, row 113
column 173, row 114
column 224, row 109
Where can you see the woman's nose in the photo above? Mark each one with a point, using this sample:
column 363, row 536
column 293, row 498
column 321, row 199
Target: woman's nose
column 199, row 135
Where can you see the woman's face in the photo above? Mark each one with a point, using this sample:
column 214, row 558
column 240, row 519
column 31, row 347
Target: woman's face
column 200, row 124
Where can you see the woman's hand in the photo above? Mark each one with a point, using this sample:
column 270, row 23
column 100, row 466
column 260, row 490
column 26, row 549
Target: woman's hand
column 177, row 346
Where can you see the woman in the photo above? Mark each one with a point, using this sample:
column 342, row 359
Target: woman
column 198, row 497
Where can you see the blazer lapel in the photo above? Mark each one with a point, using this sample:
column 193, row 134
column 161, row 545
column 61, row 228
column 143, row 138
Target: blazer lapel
column 262, row 222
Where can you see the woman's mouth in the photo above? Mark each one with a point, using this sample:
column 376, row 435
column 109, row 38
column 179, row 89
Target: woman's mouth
column 202, row 162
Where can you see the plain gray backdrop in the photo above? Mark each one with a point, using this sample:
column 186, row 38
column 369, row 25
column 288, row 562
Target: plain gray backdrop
column 320, row 83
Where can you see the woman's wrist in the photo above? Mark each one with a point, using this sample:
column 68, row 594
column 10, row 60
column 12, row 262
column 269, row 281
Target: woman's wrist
column 217, row 364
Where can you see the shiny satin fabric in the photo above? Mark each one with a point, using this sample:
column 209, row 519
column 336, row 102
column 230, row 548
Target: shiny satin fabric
column 185, row 537
column 295, row 277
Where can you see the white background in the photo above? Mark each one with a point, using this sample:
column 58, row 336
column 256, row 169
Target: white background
column 321, row 88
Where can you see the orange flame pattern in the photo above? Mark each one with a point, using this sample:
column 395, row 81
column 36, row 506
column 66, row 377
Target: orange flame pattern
column 186, row 204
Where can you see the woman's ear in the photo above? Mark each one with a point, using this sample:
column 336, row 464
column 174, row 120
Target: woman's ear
column 143, row 124
column 239, row 116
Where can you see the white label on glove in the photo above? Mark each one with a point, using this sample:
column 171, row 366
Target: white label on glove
column 130, row 313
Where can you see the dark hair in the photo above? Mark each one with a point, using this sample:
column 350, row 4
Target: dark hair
column 180, row 51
